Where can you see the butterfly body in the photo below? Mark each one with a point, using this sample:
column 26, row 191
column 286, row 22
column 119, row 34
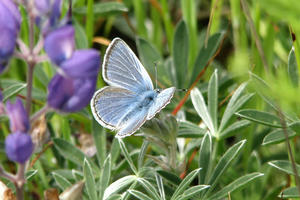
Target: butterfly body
column 130, row 98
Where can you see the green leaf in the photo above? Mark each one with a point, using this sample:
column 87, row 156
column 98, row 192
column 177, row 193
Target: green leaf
column 237, row 184
column 277, row 136
column 224, row 163
column 29, row 174
column 114, row 151
column 61, row 181
column 185, row 183
column 70, row 152
column 89, row 180
column 285, row 166
column 118, row 185
column 200, row 106
column 12, row 90
column 142, row 154
column 260, row 117
column 81, row 40
column 150, row 56
column 104, row 8
column 127, row 156
column 232, row 128
column 99, row 136
column 235, row 103
column 212, row 98
column 149, row 188
column 192, row 191
column 190, row 130
column 169, row 176
column 105, row 176
column 205, row 54
column 291, row 192
column 160, row 185
column 181, row 53
column 139, row 195
column 293, row 68
column 205, row 158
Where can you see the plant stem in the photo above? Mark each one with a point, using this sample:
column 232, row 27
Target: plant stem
column 36, row 115
column 255, row 34
column 291, row 156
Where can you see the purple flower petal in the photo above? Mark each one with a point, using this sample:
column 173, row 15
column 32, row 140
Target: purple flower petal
column 60, row 44
column 7, row 43
column 18, row 147
column 70, row 95
column 83, row 63
column 18, row 117
column 9, row 15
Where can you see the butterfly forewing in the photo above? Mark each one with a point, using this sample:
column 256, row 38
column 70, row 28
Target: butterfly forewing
column 162, row 99
column 122, row 68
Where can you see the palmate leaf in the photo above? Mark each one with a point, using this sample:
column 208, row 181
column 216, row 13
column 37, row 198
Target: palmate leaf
column 277, row 136
column 70, row 152
column 291, row 192
column 185, row 183
column 212, row 98
column 139, row 195
column 99, row 137
column 205, row 54
column 293, row 68
column 127, row 156
column 149, row 188
column 205, row 158
column 235, row 102
column 13, row 90
column 285, row 166
column 118, row 185
column 223, row 164
column 260, row 117
column 180, row 53
column 61, row 181
column 89, row 180
column 190, row 130
column 201, row 108
column 237, row 184
column 192, row 192
column 105, row 176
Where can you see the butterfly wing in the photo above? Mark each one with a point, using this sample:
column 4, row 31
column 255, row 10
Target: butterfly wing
column 136, row 120
column 121, row 68
column 110, row 104
column 162, row 99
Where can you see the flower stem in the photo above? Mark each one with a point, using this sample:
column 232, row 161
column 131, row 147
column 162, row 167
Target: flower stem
column 39, row 113
column 291, row 156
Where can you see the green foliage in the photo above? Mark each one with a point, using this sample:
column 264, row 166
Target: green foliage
column 227, row 140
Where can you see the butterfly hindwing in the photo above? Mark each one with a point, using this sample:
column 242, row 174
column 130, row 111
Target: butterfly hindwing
column 110, row 104
column 122, row 68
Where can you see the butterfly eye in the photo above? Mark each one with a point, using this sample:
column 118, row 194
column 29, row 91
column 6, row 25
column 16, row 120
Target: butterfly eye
column 157, row 90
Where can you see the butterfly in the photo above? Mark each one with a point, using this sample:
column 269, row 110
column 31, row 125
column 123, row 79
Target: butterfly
column 130, row 98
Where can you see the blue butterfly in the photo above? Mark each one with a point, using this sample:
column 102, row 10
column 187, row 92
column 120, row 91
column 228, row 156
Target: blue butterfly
column 130, row 98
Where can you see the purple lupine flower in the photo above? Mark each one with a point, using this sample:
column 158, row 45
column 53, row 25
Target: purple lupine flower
column 70, row 95
column 48, row 14
column 2, row 108
column 18, row 117
column 18, row 147
column 72, row 92
column 9, row 15
column 60, row 44
column 7, row 46
column 10, row 20
column 83, row 63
